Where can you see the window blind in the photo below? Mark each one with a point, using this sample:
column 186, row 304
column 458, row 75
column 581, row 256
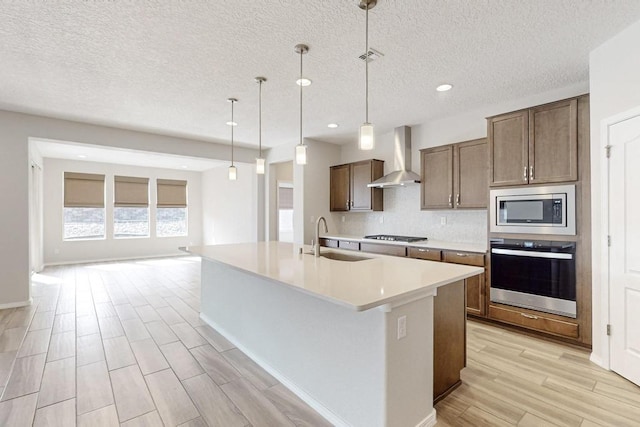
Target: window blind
column 83, row 190
column 172, row 193
column 131, row 192
column 285, row 198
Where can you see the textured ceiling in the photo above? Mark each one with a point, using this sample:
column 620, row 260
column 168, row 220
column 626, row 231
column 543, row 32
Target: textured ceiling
column 168, row 66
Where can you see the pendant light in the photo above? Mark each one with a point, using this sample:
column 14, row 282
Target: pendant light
column 301, row 149
column 366, row 141
column 260, row 159
column 233, row 172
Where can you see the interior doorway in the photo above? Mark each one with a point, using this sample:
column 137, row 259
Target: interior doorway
column 285, row 211
column 35, row 219
column 623, row 139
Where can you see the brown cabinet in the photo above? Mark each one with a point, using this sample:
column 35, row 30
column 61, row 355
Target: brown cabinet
column 348, row 187
column 534, row 146
column 476, row 285
column 455, row 176
column 534, row 320
column 424, row 253
column 377, row 248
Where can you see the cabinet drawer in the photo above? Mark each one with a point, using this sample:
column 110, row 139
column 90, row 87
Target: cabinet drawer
column 328, row 243
column 424, row 253
column 384, row 249
column 467, row 258
column 348, row 244
column 534, row 321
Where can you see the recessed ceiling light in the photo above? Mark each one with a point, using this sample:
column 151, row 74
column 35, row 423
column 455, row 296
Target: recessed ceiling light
column 184, row 166
column 303, row 82
column 332, row 125
column 232, row 124
column 82, row 156
column 444, row 87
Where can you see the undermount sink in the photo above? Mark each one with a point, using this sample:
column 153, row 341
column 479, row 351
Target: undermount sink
column 343, row 257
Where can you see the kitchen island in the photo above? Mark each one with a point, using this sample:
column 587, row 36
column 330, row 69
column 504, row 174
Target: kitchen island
column 351, row 335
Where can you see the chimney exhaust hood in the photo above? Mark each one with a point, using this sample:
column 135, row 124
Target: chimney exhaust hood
column 402, row 175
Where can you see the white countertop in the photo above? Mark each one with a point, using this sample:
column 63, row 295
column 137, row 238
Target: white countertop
column 430, row 244
column 359, row 285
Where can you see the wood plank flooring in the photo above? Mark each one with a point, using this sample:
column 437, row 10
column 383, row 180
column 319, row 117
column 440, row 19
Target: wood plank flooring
column 122, row 344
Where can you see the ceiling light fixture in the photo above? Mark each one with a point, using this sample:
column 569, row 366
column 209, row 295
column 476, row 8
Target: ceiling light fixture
column 260, row 160
column 233, row 172
column 332, row 125
column 82, row 156
column 366, row 141
column 444, row 87
column 230, row 123
column 303, row 82
column 301, row 149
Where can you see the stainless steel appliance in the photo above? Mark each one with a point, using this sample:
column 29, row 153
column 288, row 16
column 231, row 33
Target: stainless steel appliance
column 533, row 210
column 539, row 275
column 393, row 238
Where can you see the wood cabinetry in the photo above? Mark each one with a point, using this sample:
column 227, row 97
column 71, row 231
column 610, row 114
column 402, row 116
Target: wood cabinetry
column 455, row 176
column 534, row 146
column 476, row 291
column 348, row 187
column 376, row 248
column 534, row 320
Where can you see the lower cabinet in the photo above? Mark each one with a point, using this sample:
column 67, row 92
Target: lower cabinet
column 534, row 320
column 476, row 285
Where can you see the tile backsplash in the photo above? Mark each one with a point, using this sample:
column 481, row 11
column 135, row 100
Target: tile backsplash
column 402, row 216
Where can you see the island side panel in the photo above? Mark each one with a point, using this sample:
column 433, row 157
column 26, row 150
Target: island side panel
column 331, row 356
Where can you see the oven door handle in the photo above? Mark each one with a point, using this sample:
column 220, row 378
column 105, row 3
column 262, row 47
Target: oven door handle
column 532, row 254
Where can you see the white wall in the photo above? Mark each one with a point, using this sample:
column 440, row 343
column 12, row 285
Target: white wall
column 17, row 128
column 57, row 250
column 614, row 69
column 402, row 214
column 229, row 208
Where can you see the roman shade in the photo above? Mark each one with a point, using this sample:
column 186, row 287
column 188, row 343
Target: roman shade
column 131, row 192
column 172, row 193
column 83, row 190
column 285, row 198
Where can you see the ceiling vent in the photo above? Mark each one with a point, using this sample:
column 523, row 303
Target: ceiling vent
column 371, row 55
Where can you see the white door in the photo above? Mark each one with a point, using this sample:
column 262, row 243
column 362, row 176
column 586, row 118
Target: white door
column 624, row 254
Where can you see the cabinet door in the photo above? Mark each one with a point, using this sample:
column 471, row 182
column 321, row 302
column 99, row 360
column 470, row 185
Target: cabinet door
column 339, row 188
column 364, row 198
column 553, row 142
column 437, row 178
column 471, row 174
column 475, row 295
column 508, row 148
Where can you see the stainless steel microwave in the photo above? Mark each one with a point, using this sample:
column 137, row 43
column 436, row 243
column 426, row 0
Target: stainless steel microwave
column 533, row 210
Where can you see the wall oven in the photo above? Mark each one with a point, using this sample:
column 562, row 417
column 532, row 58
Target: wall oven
column 533, row 210
column 540, row 275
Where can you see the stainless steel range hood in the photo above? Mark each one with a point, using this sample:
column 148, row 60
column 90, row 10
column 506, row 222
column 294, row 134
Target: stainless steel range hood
column 402, row 175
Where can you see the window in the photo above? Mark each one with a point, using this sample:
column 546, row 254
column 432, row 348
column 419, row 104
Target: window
column 83, row 216
column 131, row 207
column 171, row 213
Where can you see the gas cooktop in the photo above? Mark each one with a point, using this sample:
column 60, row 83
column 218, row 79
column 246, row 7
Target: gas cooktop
column 392, row 238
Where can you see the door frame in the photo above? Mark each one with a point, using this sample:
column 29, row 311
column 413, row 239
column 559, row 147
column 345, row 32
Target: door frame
column 600, row 324
column 283, row 184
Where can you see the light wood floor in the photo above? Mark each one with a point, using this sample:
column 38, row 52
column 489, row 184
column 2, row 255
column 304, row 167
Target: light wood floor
column 121, row 344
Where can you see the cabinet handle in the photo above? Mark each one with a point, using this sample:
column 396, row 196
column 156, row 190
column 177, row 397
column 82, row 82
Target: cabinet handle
column 460, row 254
column 524, row 174
column 529, row 316
column 352, row 203
column 458, row 199
column 530, row 173
column 423, row 250
column 450, row 202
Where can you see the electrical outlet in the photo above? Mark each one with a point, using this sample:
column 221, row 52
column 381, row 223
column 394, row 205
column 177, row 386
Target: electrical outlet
column 56, row 251
column 402, row 327
column 313, row 218
column 443, row 220
column 381, row 219
column 343, row 218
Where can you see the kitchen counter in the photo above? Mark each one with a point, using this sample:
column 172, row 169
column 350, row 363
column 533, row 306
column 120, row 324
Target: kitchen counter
column 429, row 244
column 354, row 340
column 359, row 285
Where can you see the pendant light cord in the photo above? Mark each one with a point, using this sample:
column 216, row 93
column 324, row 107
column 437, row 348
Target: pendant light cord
column 366, row 64
column 232, row 126
column 301, row 53
column 260, row 120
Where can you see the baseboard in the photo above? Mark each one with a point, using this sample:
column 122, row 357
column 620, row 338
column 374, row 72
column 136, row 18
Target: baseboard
column 91, row 261
column 16, row 304
column 303, row 395
column 597, row 360
column 429, row 421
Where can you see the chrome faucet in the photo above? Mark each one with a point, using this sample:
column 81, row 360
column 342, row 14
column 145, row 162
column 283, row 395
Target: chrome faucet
column 316, row 245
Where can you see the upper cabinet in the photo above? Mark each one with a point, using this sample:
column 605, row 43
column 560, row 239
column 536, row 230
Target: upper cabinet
column 534, row 146
column 348, row 186
column 455, row 176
